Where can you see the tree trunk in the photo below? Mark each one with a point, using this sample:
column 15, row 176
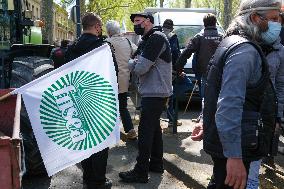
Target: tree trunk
column 187, row 3
column 161, row 3
column 227, row 16
column 83, row 6
column 47, row 16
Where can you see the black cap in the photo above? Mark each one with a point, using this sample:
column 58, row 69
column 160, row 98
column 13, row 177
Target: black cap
column 142, row 14
column 168, row 23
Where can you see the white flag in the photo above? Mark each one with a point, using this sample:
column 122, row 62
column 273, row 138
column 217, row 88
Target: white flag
column 74, row 109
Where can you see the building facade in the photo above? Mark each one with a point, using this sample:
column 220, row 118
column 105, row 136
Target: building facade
column 34, row 6
column 63, row 28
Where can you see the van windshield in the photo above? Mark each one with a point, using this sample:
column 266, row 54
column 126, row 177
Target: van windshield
column 185, row 33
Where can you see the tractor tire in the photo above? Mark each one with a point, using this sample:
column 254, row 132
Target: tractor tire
column 24, row 70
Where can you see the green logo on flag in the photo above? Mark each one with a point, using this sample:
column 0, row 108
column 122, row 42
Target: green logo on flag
column 79, row 110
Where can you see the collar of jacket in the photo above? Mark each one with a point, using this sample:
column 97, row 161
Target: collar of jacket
column 210, row 28
column 149, row 33
column 89, row 35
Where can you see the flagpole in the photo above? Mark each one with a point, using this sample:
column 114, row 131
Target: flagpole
column 5, row 96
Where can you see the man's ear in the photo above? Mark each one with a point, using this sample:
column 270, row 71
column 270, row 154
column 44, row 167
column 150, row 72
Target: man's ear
column 254, row 18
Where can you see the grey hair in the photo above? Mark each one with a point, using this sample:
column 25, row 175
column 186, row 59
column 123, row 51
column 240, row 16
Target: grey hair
column 242, row 23
column 112, row 27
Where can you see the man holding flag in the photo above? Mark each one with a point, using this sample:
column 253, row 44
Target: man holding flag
column 94, row 167
column 74, row 110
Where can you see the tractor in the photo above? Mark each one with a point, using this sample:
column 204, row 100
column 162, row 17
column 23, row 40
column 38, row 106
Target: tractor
column 23, row 58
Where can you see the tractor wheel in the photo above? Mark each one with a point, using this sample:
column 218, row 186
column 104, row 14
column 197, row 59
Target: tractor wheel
column 24, row 70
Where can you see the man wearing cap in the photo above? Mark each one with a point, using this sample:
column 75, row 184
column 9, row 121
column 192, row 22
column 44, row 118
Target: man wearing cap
column 153, row 67
column 168, row 27
column 240, row 103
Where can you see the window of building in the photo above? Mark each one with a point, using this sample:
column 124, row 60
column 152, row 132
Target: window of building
column 37, row 13
column 33, row 12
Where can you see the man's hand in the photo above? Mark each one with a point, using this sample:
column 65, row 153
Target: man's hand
column 236, row 173
column 181, row 74
column 197, row 133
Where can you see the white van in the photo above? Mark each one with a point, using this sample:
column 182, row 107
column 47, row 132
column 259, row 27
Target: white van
column 187, row 23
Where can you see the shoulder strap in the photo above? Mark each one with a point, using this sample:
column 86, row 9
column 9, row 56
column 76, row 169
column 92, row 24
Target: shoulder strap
column 233, row 42
column 131, row 53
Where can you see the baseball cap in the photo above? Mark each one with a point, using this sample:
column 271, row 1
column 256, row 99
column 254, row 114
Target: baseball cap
column 142, row 14
column 258, row 5
column 168, row 23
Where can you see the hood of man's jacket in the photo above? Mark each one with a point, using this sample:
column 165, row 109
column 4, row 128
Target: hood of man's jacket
column 85, row 43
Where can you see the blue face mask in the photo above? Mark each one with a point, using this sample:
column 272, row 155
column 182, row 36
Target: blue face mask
column 272, row 34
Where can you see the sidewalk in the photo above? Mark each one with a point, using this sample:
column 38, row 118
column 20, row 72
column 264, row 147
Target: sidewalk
column 187, row 161
column 186, row 164
column 183, row 157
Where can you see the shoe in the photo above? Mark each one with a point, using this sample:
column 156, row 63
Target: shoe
column 131, row 134
column 133, row 176
column 156, row 169
column 170, row 124
column 106, row 185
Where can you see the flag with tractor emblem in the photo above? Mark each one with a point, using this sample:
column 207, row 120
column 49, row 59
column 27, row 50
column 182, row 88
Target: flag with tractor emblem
column 74, row 109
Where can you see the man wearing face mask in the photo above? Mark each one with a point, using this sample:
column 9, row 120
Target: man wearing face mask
column 168, row 27
column 153, row 67
column 94, row 167
column 239, row 112
column 274, row 52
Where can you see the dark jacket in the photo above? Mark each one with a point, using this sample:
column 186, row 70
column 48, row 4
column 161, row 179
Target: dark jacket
column 204, row 45
column 174, row 44
column 153, row 65
column 282, row 35
column 232, row 111
column 84, row 44
column 57, row 56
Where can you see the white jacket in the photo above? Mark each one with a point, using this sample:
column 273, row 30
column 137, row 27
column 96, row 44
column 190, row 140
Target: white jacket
column 122, row 55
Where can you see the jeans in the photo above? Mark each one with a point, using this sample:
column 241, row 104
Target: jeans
column 150, row 142
column 94, row 168
column 253, row 180
column 124, row 113
column 220, row 173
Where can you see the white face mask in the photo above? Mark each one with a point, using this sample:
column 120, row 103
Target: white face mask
column 167, row 31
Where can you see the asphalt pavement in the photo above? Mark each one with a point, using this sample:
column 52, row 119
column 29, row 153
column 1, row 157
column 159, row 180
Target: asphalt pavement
column 186, row 164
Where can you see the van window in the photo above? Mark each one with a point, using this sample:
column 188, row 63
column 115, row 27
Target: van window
column 186, row 24
column 185, row 33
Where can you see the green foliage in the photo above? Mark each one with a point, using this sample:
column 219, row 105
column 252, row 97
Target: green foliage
column 218, row 5
column 118, row 10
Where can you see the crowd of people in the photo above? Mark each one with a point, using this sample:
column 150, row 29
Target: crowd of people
column 238, row 127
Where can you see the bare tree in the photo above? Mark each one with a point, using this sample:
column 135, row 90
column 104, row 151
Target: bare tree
column 83, row 6
column 187, row 3
column 47, row 16
column 227, row 15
